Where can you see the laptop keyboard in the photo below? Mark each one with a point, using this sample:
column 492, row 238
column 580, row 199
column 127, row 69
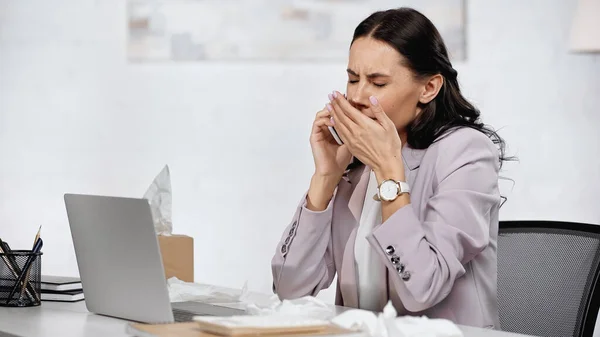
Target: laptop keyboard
column 185, row 311
column 181, row 315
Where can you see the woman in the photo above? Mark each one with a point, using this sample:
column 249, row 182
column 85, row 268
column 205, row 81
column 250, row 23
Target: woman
column 407, row 209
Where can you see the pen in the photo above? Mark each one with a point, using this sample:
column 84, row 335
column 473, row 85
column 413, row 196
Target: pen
column 14, row 267
column 26, row 282
column 36, row 249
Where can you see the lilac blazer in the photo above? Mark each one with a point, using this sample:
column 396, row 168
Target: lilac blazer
column 439, row 251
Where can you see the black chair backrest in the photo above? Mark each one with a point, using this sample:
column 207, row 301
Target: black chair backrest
column 547, row 277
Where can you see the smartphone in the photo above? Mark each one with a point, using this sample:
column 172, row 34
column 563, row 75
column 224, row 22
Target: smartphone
column 335, row 135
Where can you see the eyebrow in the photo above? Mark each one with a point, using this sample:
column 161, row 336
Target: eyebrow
column 373, row 75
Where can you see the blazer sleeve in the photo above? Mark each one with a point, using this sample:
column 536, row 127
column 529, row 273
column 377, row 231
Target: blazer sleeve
column 425, row 258
column 303, row 261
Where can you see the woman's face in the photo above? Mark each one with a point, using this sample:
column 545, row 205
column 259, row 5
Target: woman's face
column 375, row 69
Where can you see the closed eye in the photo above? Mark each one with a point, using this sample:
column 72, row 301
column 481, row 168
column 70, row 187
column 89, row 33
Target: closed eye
column 380, row 85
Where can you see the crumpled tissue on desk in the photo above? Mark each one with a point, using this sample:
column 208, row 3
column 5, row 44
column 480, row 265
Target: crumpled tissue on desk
column 181, row 291
column 387, row 324
column 306, row 307
column 254, row 304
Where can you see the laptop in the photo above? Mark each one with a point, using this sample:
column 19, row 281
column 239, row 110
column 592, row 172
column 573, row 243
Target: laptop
column 120, row 265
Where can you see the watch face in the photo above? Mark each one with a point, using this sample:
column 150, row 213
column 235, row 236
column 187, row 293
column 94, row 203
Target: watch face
column 388, row 190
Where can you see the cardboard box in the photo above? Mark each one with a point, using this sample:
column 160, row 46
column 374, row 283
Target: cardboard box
column 178, row 256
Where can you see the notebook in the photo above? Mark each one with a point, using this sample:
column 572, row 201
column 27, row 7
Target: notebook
column 60, row 283
column 192, row 329
column 63, row 296
column 260, row 325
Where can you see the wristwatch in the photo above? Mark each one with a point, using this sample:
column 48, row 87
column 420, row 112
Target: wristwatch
column 390, row 189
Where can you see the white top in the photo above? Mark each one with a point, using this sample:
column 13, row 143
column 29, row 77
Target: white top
column 370, row 270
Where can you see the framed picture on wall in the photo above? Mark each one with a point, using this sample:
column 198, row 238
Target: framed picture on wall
column 268, row 30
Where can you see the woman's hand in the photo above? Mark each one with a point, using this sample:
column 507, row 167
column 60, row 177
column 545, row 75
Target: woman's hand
column 375, row 142
column 330, row 159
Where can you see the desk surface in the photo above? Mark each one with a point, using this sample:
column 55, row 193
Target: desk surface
column 73, row 320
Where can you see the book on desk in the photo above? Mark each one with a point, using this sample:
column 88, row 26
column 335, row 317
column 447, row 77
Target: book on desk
column 60, row 283
column 61, row 288
column 63, row 296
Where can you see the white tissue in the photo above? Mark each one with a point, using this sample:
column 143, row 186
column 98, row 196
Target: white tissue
column 386, row 324
column 181, row 291
column 306, row 307
column 253, row 304
column 160, row 197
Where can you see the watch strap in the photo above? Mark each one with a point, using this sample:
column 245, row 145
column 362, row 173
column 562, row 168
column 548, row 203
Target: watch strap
column 404, row 188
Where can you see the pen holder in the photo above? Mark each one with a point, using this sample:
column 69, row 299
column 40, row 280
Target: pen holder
column 20, row 278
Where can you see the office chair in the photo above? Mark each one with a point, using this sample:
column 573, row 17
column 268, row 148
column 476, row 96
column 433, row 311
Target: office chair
column 547, row 277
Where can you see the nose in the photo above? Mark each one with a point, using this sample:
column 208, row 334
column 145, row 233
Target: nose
column 358, row 97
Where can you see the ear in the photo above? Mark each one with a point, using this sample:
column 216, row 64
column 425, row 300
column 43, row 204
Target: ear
column 431, row 89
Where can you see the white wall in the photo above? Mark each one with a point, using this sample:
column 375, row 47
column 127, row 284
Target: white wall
column 75, row 117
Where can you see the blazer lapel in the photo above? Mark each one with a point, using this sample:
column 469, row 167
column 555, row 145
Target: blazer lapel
column 348, row 283
column 360, row 180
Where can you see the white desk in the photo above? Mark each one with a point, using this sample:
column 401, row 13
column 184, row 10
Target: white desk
column 73, row 320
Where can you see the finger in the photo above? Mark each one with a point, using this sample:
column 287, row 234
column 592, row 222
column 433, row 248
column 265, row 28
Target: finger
column 320, row 115
column 379, row 114
column 321, row 130
column 329, row 106
column 335, row 104
column 344, row 133
column 339, row 117
column 324, row 121
column 353, row 113
column 342, row 130
column 323, row 113
column 347, row 118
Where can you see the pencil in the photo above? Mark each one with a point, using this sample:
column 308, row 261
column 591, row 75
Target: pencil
column 37, row 236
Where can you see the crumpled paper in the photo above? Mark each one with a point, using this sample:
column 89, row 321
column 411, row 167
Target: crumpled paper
column 160, row 197
column 306, row 307
column 386, row 324
column 181, row 291
column 257, row 305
